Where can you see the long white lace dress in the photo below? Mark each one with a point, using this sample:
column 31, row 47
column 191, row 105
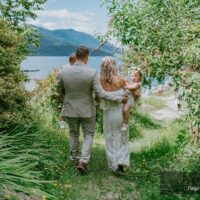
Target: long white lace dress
column 116, row 141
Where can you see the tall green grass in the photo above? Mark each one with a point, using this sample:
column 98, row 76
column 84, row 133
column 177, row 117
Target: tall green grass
column 26, row 162
column 154, row 102
column 161, row 145
column 139, row 120
column 17, row 163
column 174, row 151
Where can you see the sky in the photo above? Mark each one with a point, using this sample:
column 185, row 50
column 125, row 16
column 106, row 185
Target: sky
column 81, row 15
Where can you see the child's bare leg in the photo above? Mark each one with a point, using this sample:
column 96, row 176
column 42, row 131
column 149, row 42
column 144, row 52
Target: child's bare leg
column 125, row 113
column 61, row 118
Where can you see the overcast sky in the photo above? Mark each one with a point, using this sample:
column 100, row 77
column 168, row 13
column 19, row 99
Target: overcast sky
column 81, row 15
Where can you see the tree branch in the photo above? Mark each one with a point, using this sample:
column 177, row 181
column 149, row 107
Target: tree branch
column 97, row 48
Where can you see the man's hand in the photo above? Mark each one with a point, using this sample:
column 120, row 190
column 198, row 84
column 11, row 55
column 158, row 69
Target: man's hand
column 124, row 99
column 97, row 99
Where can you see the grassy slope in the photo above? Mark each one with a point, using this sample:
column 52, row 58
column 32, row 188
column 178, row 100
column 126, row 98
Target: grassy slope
column 153, row 146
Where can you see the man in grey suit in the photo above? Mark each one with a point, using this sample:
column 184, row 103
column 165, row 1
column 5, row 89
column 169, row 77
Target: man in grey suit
column 79, row 82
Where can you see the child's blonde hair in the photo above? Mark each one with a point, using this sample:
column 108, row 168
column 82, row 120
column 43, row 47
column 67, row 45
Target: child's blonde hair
column 137, row 69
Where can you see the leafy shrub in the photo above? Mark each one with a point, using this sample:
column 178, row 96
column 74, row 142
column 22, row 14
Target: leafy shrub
column 15, row 41
column 163, row 39
column 48, row 87
column 13, row 97
column 99, row 120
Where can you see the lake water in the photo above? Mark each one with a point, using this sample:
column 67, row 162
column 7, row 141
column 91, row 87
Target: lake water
column 46, row 64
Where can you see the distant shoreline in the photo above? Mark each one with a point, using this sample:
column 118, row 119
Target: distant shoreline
column 60, row 56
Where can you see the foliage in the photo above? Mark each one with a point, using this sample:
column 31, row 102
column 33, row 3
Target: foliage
column 25, row 150
column 189, row 85
column 17, row 12
column 52, row 99
column 25, row 153
column 15, row 41
column 31, row 159
column 156, row 148
column 13, row 97
column 99, row 120
column 163, row 38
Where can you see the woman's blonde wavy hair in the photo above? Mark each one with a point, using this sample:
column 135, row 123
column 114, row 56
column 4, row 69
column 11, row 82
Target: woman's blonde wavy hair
column 108, row 69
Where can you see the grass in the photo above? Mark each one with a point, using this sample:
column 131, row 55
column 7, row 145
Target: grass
column 139, row 121
column 166, row 92
column 150, row 137
column 147, row 165
column 154, row 145
column 154, row 102
column 21, row 158
column 141, row 182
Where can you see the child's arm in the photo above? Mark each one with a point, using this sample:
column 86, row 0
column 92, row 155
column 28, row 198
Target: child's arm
column 132, row 87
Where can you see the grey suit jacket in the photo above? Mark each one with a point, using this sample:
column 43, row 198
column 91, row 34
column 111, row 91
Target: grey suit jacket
column 78, row 83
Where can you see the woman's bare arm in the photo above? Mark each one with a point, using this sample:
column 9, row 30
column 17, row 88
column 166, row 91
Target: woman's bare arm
column 118, row 82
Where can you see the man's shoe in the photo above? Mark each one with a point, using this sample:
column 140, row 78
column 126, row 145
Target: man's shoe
column 82, row 168
column 75, row 162
column 121, row 168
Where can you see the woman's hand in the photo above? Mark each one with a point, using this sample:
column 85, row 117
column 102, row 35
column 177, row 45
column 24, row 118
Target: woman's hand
column 137, row 94
column 126, row 85
column 124, row 98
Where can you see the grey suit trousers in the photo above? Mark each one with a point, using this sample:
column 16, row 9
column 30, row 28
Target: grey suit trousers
column 88, row 127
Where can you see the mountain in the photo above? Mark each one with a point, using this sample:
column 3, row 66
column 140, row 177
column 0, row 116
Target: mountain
column 63, row 42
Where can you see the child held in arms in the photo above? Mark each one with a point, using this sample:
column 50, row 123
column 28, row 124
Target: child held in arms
column 134, row 89
column 72, row 60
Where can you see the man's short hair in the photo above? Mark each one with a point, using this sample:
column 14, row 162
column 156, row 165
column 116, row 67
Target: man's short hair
column 82, row 52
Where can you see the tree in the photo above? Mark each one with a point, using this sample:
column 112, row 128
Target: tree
column 15, row 40
column 163, row 38
column 17, row 11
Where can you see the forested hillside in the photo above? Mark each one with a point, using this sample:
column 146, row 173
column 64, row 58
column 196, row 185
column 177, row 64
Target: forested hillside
column 63, row 42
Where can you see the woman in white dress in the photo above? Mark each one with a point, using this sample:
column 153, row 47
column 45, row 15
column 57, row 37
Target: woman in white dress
column 116, row 140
